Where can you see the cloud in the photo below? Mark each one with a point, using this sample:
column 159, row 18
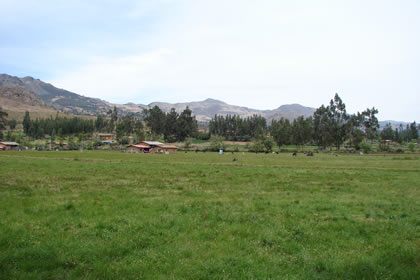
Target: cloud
column 118, row 78
column 259, row 54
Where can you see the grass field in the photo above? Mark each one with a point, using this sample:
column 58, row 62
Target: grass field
column 111, row 215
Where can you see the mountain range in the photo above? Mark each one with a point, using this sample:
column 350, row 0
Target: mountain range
column 18, row 95
column 27, row 91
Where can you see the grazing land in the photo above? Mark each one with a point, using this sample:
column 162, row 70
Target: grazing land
column 111, row 215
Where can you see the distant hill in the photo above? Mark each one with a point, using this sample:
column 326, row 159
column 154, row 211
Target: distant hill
column 206, row 109
column 44, row 97
column 73, row 103
column 394, row 124
column 17, row 100
column 57, row 99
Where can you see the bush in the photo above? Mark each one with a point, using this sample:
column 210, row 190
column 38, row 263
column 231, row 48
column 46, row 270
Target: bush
column 187, row 143
column 203, row 135
column 216, row 143
column 411, row 147
column 265, row 144
column 365, row 147
column 124, row 140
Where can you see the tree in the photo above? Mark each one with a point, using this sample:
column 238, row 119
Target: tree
column 370, row 122
column 119, row 131
column 331, row 124
column 187, row 143
column 26, row 122
column 216, row 143
column 3, row 122
column 321, row 127
column 356, row 135
column 414, row 134
column 12, row 124
column 3, row 119
column 100, row 123
column 114, row 118
column 281, row 131
column 339, row 121
column 171, row 126
column 387, row 133
column 186, row 125
column 155, row 119
column 301, row 130
column 268, row 143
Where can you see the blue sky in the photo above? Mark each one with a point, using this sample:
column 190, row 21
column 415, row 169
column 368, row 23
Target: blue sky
column 259, row 54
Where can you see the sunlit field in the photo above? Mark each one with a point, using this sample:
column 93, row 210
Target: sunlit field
column 112, row 215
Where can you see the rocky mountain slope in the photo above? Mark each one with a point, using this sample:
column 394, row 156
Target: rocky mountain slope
column 206, row 109
column 17, row 100
column 58, row 99
column 18, row 95
column 73, row 103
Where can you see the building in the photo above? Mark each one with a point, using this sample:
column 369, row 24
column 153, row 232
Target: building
column 11, row 146
column 151, row 147
column 106, row 136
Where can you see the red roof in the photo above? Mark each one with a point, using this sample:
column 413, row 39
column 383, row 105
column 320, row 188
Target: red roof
column 140, row 146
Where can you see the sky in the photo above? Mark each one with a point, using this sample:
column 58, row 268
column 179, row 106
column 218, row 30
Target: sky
column 260, row 54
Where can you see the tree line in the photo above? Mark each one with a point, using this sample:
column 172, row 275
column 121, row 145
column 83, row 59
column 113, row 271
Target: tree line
column 152, row 122
column 235, row 128
column 172, row 126
column 330, row 125
column 401, row 133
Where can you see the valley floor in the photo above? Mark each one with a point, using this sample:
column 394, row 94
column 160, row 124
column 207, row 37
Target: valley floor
column 104, row 215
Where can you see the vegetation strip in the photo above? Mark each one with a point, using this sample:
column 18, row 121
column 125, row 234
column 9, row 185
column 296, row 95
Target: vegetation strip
column 222, row 164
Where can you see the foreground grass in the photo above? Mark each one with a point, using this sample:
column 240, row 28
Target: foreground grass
column 201, row 216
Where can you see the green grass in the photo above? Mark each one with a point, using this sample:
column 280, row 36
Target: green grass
column 111, row 215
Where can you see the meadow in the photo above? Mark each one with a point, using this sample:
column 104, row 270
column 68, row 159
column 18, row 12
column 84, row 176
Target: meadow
column 112, row 215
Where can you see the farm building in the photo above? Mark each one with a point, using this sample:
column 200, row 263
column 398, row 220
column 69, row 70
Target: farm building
column 12, row 146
column 151, row 147
column 106, row 136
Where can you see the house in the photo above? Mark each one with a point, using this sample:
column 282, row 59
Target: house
column 12, row 146
column 106, row 136
column 151, row 147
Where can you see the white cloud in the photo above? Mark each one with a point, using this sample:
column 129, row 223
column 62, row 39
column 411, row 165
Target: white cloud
column 116, row 78
column 257, row 53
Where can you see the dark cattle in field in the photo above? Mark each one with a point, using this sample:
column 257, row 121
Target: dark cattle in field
column 294, row 154
column 235, row 159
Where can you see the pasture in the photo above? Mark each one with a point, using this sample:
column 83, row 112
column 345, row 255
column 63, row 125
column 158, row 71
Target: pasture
column 111, row 215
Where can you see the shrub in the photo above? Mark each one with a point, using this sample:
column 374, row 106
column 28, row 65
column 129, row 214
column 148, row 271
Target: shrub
column 187, row 143
column 216, row 143
column 411, row 147
column 365, row 147
column 124, row 140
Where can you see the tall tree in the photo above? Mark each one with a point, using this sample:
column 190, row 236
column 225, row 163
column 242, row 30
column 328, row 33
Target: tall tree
column 3, row 121
column 114, row 119
column 356, row 135
column 332, row 123
column 281, row 131
column 186, row 125
column 321, row 127
column 171, row 126
column 414, row 134
column 301, row 130
column 100, row 123
column 370, row 122
column 26, row 122
column 155, row 119
column 339, row 121
column 387, row 133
